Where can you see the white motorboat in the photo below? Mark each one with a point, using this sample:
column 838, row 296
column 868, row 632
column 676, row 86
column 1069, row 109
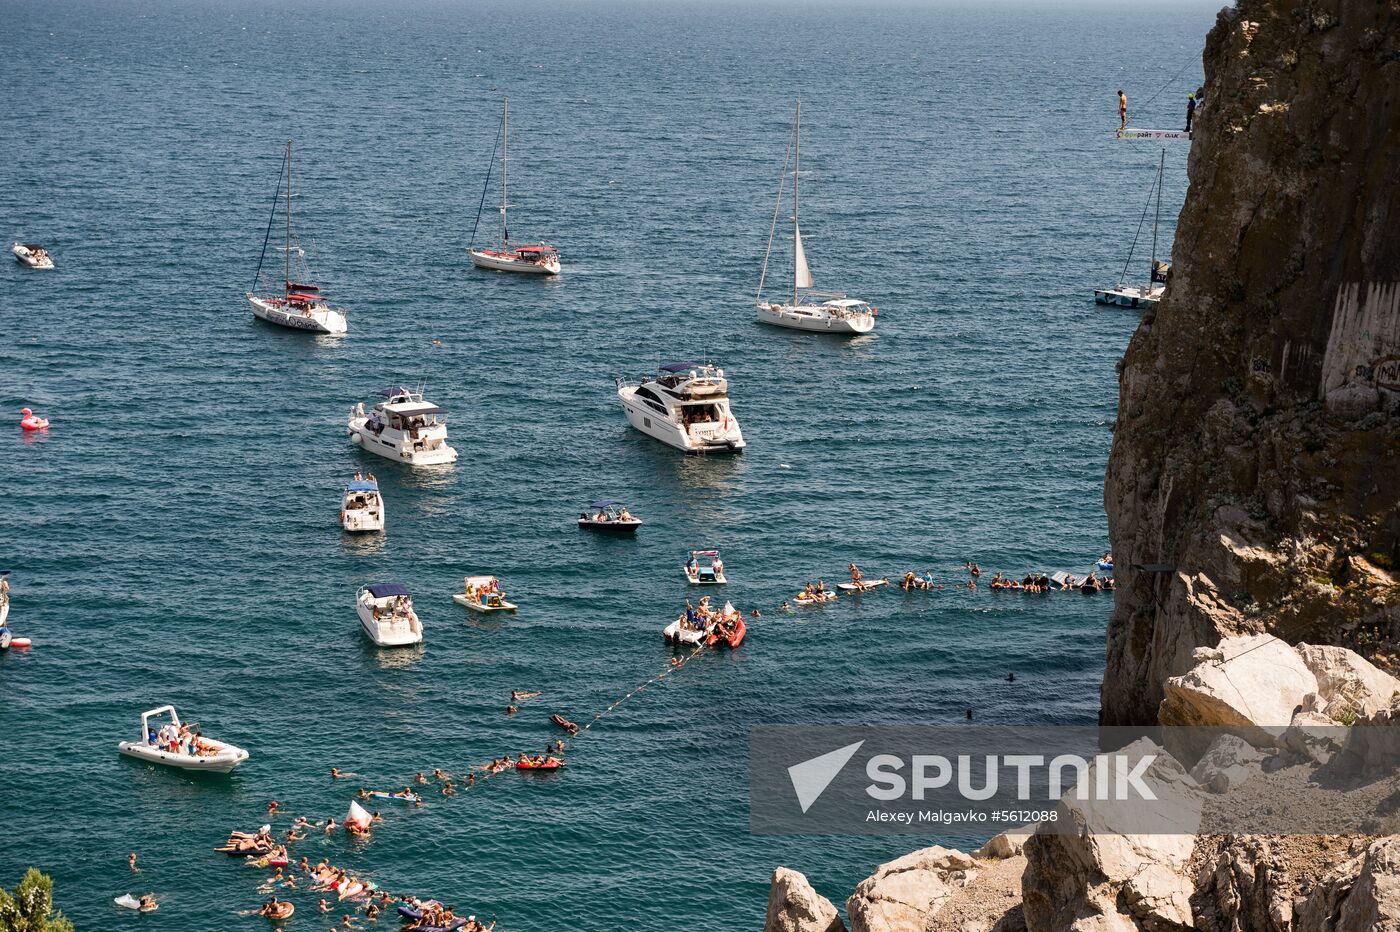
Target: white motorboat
column 686, row 406
column 362, row 507
column 32, row 255
column 814, row 311
column 163, row 743
column 1150, row 292
column 483, row 594
column 404, row 428
column 610, row 517
column 386, row 614
column 705, row 568
column 509, row 256
column 292, row 303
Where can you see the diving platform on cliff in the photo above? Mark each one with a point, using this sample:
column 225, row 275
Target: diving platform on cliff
column 1131, row 133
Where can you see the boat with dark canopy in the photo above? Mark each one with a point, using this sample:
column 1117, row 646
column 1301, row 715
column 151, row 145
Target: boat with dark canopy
column 610, row 517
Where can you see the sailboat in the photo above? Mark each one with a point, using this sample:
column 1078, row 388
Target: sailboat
column 297, row 304
column 819, row 311
column 1150, row 292
column 507, row 256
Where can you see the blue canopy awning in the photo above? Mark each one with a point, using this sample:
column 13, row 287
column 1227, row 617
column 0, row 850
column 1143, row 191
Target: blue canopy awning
column 384, row 590
column 680, row 366
column 362, row 485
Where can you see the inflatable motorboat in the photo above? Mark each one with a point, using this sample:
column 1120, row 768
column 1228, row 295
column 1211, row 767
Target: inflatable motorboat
column 32, row 255
column 687, row 633
column 163, row 746
column 731, row 639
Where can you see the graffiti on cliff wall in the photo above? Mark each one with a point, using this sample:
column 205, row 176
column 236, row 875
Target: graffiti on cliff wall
column 1364, row 344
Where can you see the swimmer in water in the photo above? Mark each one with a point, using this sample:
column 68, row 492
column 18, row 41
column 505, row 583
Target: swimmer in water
column 131, row 863
column 323, row 906
column 441, row 774
column 272, row 808
column 420, row 779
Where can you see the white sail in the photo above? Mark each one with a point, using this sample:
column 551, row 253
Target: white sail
column 802, row 276
column 357, row 814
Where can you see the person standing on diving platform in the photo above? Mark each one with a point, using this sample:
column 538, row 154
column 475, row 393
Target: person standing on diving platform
column 1122, row 110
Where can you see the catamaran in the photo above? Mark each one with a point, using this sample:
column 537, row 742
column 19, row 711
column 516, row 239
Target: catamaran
column 296, row 304
column 819, row 311
column 508, row 256
column 1149, row 293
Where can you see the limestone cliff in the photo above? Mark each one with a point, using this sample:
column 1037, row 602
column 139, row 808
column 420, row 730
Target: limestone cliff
column 1256, row 458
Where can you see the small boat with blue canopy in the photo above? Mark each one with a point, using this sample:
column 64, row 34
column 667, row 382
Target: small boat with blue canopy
column 386, row 613
column 610, row 517
column 362, row 508
column 705, row 568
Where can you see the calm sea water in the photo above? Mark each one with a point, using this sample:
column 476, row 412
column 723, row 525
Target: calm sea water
column 174, row 537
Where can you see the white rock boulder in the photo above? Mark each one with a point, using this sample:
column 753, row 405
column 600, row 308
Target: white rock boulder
column 1350, row 685
column 902, row 895
column 1228, row 762
column 1249, row 684
column 793, row 906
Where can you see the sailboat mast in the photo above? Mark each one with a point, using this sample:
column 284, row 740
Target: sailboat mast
column 1156, row 218
column 505, row 144
column 287, row 247
column 796, row 170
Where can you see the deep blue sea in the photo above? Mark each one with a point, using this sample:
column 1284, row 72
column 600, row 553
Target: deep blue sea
column 174, row 537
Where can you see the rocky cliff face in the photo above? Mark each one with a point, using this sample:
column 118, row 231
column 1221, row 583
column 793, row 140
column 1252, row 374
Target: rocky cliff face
column 1256, row 459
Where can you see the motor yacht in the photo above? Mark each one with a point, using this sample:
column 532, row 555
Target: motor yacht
column 386, row 613
column 162, row 743
column 404, row 428
column 685, row 406
column 362, row 508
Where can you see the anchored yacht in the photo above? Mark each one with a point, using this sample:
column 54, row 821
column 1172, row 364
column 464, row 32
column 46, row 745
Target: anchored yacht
column 1149, row 293
column 815, row 311
column 293, row 302
column 404, row 428
column 686, row 406
column 510, row 256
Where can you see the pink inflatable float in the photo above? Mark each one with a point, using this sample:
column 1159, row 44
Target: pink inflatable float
column 32, row 421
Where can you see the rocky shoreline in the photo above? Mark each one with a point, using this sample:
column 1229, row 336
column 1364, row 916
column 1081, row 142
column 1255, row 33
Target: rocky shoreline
column 1253, row 498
